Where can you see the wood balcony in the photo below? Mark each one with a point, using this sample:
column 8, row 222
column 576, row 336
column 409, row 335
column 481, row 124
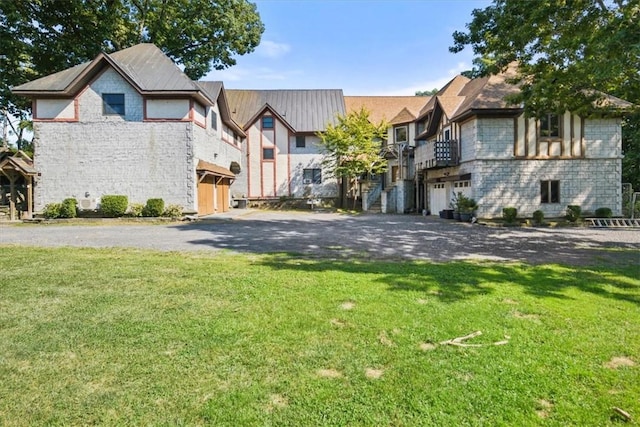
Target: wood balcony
column 437, row 154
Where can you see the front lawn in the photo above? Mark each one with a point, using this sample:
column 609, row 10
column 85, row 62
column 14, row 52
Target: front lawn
column 117, row 336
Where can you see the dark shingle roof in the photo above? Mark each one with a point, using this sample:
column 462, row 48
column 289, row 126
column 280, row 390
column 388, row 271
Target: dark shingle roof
column 144, row 65
column 304, row 110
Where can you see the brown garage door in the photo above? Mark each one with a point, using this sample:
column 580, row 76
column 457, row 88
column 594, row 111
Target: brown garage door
column 205, row 195
column 222, row 193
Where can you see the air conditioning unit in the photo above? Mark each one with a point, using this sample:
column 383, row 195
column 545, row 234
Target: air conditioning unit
column 88, row 204
column 307, row 181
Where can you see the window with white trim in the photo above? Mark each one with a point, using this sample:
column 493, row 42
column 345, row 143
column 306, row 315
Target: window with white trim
column 401, row 134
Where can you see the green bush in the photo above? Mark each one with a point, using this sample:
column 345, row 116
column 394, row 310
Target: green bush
column 173, row 211
column 52, row 210
column 113, row 205
column 573, row 213
column 509, row 214
column 538, row 217
column 135, row 210
column 603, row 213
column 68, row 208
column 154, row 208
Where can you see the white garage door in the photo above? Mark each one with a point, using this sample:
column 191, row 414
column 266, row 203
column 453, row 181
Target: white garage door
column 438, row 198
column 463, row 187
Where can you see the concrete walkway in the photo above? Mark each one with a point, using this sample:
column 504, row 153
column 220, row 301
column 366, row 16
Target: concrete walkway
column 337, row 236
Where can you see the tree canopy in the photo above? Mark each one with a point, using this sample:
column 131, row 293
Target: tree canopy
column 38, row 38
column 352, row 146
column 427, row 92
column 569, row 53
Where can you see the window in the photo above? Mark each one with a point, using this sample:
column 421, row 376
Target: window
column 549, row 191
column 267, row 154
column 550, row 126
column 447, row 135
column 214, row 120
column 267, row 122
column 113, row 103
column 301, row 141
column 401, row 134
column 312, row 176
column 420, row 127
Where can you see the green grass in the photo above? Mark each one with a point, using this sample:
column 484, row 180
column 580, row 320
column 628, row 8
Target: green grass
column 117, row 337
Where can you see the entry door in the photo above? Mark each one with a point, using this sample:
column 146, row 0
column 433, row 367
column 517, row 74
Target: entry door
column 438, row 198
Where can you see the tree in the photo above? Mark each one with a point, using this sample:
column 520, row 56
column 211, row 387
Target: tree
column 427, row 92
column 38, row 38
column 352, row 148
column 569, row 53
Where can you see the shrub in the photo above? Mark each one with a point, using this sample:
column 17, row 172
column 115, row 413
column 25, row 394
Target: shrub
column 135, row 209
column 154, row 207
column 603, row 213
column 538, row 217
column 52, row 210
column 173, row 211
column 68, row 208
column 113, row 206
column 573, row 213
column 509, row 214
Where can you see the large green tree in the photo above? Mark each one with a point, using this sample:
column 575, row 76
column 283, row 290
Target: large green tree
column 40, row 37
column 352, row 148
column 569, row 53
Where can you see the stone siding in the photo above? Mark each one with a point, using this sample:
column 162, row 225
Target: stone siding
column 139, row 160
column 90, row 100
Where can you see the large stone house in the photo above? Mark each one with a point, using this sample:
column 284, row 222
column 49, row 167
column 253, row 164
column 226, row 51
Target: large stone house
column 474, row 142
column 131, row 122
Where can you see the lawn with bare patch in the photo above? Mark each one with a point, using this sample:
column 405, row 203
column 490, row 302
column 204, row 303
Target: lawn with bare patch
column 131, row 337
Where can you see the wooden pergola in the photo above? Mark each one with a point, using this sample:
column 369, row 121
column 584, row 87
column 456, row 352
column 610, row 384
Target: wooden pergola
column 18, row 169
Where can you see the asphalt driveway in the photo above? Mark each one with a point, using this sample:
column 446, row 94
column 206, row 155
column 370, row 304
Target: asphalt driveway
column 316, row 234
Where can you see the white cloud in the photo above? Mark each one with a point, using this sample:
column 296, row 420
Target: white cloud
column 248, row 77
column 419, row 86
column 271, row 49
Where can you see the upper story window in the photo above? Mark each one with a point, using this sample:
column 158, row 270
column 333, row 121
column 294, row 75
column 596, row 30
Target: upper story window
column 447, row 135
column 301, row 141
column 214, row 120
column 268, row 154
column 420, row 127
column 113, row 103
column 267, row 122
column 550, row 126
column 401, row 134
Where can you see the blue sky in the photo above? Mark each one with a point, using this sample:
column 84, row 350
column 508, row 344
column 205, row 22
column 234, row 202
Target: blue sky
column 365, row 47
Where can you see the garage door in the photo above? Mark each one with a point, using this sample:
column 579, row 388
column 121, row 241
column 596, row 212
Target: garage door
column 463, row 187
column 205, row 195
column 438, row 198
column 222, row 194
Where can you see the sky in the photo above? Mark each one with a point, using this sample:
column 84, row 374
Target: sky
column 364, row 47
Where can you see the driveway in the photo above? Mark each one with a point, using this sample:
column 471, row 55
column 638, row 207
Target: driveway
column 367, row 236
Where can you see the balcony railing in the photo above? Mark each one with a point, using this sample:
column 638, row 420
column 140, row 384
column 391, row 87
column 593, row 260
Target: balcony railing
column 438, row 154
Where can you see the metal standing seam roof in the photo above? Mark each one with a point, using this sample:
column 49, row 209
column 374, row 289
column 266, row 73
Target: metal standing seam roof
column 305, row 110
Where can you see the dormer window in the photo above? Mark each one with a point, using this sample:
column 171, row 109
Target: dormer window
column 400, row 134
column 267, row 122
column 550, row 126
column 113, row 104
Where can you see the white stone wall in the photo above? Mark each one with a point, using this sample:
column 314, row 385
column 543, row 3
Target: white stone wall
column 590, row 183
column 139, row 160
column 309, row 157
column 603, row 138
column 468, row 140
column 90, row 101
column 494, row 138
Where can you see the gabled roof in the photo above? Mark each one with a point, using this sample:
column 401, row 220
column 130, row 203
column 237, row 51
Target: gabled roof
column 209, row 168
column 144, row 66
column 448, row 97
column 19, row 162
column 304, row 110
column 394, row 109
column 216, row 93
